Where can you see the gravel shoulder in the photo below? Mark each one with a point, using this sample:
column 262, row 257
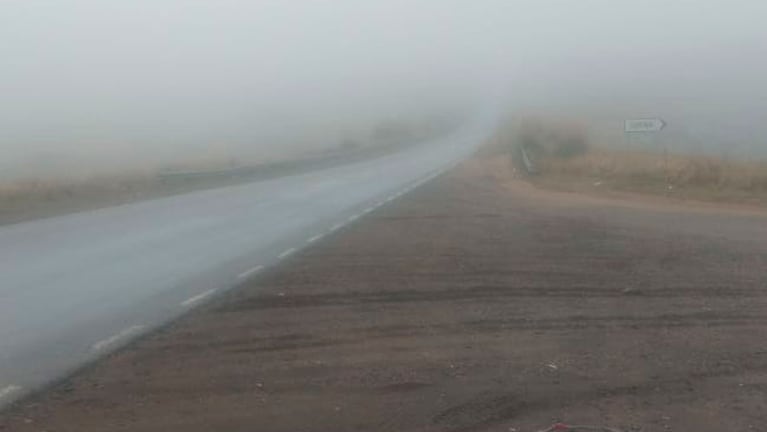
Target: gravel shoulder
column 475, row 303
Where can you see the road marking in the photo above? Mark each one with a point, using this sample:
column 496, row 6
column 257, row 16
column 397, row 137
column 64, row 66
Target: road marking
column 353, row 218
column 336, row 227
column 192, row 300
column 250, row 272
column 8, row 390
column 313, row 239
column 286, row 253
column 123, row 334
column 369, row 209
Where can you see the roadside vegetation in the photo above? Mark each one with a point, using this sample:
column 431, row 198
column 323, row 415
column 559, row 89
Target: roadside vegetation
column 36, row 197
column 562, row 157
column 45, row 195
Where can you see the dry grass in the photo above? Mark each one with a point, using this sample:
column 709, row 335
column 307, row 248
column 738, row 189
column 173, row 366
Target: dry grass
column 674, row 170
column 564, row 159
column 31, row 198
column 35, row 197
column 684, row 176
column 46, row 190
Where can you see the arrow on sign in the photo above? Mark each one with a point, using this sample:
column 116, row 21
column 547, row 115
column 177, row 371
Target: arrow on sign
column 644, row 125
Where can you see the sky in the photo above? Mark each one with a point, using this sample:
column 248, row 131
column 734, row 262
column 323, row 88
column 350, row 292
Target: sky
column 115, row 83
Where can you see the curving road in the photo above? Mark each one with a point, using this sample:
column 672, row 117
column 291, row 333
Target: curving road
column 77, row 286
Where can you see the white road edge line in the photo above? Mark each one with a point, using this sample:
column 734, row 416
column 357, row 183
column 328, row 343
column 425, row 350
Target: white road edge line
column 125, row 333
column 286, row 253
column 250, row 272
column 192, row 300
column 369, row 209
column 336, row 227
column 313, row 238
column 9, row 390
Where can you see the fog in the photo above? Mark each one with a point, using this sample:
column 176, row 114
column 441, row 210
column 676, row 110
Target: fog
column 115, row 84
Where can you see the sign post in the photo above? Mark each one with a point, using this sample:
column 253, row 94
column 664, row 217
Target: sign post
column 645, row 125
column 649, row 128
column 645, row 129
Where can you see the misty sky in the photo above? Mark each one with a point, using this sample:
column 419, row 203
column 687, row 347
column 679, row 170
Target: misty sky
column 114, row 81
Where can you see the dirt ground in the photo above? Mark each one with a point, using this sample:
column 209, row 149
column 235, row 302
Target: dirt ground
column 472, row 304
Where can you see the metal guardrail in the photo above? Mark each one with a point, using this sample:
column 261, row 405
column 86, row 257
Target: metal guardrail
column 265, row 169
column 326, row 159
column 522, row 160
column 529, row 164
column 202, row 174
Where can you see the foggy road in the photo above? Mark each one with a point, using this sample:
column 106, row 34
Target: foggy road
column 476, row 303
column 384, row 216
column 78, row 286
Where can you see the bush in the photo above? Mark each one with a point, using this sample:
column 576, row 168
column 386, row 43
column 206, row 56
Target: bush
column 531, row 142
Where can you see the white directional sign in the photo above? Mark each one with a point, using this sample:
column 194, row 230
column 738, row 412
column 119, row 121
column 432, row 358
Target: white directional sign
column 644, row 125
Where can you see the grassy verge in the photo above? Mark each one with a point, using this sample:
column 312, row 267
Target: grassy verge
column 565, row 161
column 676, row 176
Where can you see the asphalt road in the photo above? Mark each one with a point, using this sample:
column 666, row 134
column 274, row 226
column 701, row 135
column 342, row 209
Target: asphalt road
column 78, row 286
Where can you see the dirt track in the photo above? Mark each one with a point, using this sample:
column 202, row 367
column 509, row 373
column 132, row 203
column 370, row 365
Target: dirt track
column 471, row 304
